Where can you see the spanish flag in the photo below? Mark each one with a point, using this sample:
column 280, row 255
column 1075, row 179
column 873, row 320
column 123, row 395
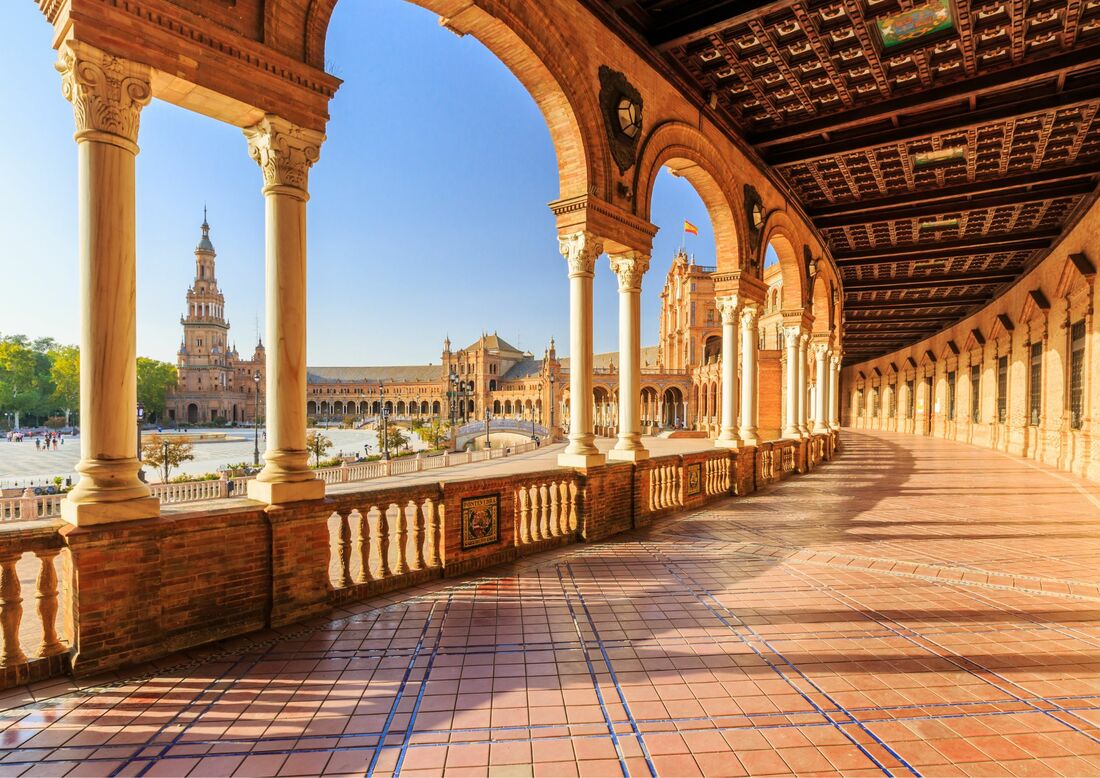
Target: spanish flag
column 690, row 229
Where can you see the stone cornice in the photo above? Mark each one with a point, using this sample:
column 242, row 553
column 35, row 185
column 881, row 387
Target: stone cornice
column 620, row 230
column 168, row 46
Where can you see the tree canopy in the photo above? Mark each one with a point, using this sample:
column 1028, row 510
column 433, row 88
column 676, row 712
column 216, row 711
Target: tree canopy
column 41, row 378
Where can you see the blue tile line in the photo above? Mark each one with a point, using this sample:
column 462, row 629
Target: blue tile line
column 901, row 631
column 595, row 681
column 610, row 668
column 400, row 691
column 691, row 585
column 419, row 696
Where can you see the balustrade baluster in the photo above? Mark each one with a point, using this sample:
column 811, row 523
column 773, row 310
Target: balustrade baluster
column 47, row 603
column 574, row 514
column 361, row 544
column 521, row 516
column 402, row 565
column 420, row 532
column 434, row 523
column 555, row 510
column 563, row 507
column 544, row 512
column 380, row 544
column 343, row 552
column 11, row 612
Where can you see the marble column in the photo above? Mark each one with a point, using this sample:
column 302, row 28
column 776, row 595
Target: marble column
column 834, row 391
column 728, row 308
column 749, row 382
column 107, row 94
column 285, row 152
column 821, row 358
column 580, row 249
column 630, row 268
column 791, row 337
column 803, row 358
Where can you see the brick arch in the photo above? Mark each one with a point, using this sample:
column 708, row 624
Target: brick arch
column 528, row 43
column 689, row 153
column 827, row 314
column 783, row 235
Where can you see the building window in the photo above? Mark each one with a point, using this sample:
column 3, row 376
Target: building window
column 859, row 404
column 891, row 404
column 912, row 397
column 1077, row 375
column 874, row 403
column 693, row 308
column 951, row 395
column 975, row 393
column 1002, row 389
column 1035, row 384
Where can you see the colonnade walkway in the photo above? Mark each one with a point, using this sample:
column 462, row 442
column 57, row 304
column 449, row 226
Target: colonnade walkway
column 916, row 607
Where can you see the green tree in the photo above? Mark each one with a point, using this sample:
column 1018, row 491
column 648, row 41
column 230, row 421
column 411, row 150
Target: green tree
column 318, row 444
column 25, row 386
column 432, row 432
column 162, row 453
column 154, row 379
column 65, row 374
column 396, row 436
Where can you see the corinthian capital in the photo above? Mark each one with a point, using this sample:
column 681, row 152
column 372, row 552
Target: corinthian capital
column 581, row 250
column 284, row 151
column 748, row 317
column 629, row 267
column 821, row 351
column 728, row 308
column 791, row 336
column 107, row 92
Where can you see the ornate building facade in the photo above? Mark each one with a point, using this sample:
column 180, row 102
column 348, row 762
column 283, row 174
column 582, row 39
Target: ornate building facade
column 680, row 387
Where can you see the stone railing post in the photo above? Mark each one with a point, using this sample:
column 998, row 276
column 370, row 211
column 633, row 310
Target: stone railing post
column 223, row 485
column 28, row 505
column 419, row 462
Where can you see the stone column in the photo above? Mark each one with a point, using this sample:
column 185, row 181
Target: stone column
column 748, row 374
column 821, row 357
column 803, row 389
column 580, row 250
column 107, row 94
column 285, row 153
column 791, row 337
column 630, row 268
column 834, row 392
column 727, row 309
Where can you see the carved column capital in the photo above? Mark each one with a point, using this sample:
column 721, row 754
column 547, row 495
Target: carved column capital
column 284, row 151
column 834, row 360
column 791, row 336
column 804, row 342
column 581, row 250
column 749, row 313
column 728, row 308
column 629, row 267
column 107, row 93
column 821, row 351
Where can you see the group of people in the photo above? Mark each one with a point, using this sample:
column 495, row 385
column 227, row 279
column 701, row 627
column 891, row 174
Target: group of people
column 42, row 441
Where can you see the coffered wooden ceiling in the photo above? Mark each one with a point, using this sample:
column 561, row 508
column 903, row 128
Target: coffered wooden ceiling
column 940, row 147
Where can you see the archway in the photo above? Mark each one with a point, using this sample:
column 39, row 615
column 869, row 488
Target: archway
column 192, row 413
column 674, row 409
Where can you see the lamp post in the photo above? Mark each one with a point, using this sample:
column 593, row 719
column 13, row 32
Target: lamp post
column 385, row 422
column 256, row 423
column 140, row 421
column 488, row 418
column 452, row 396
column 553, row 400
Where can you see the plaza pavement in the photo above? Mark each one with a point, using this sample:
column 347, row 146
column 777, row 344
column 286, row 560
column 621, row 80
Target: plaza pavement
column 916, row 607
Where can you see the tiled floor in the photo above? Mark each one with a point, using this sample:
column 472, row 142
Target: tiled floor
column 915, row 608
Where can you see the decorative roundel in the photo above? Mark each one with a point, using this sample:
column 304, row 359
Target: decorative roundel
column 630, row 122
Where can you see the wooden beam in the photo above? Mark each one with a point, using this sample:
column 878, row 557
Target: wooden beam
column 876, row 137
column 905, row 305
column 999, row 184
column 948, row 249
column 959, row 205
column 911, row 319
column 923, row 281
column 1004, row 78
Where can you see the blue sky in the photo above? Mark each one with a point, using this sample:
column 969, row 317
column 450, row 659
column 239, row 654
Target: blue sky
column 428, row 214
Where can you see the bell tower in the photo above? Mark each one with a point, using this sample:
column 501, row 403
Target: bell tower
column 203, row 355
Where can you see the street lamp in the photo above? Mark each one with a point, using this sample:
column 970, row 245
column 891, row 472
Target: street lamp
column 164, row 451
column 140, row 420
column 553, row 400
column 452, row 397
column 488, row 418
column 385, row 422
column 256, row 423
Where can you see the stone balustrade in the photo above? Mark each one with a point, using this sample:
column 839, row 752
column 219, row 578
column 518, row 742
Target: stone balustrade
column 140, row 590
